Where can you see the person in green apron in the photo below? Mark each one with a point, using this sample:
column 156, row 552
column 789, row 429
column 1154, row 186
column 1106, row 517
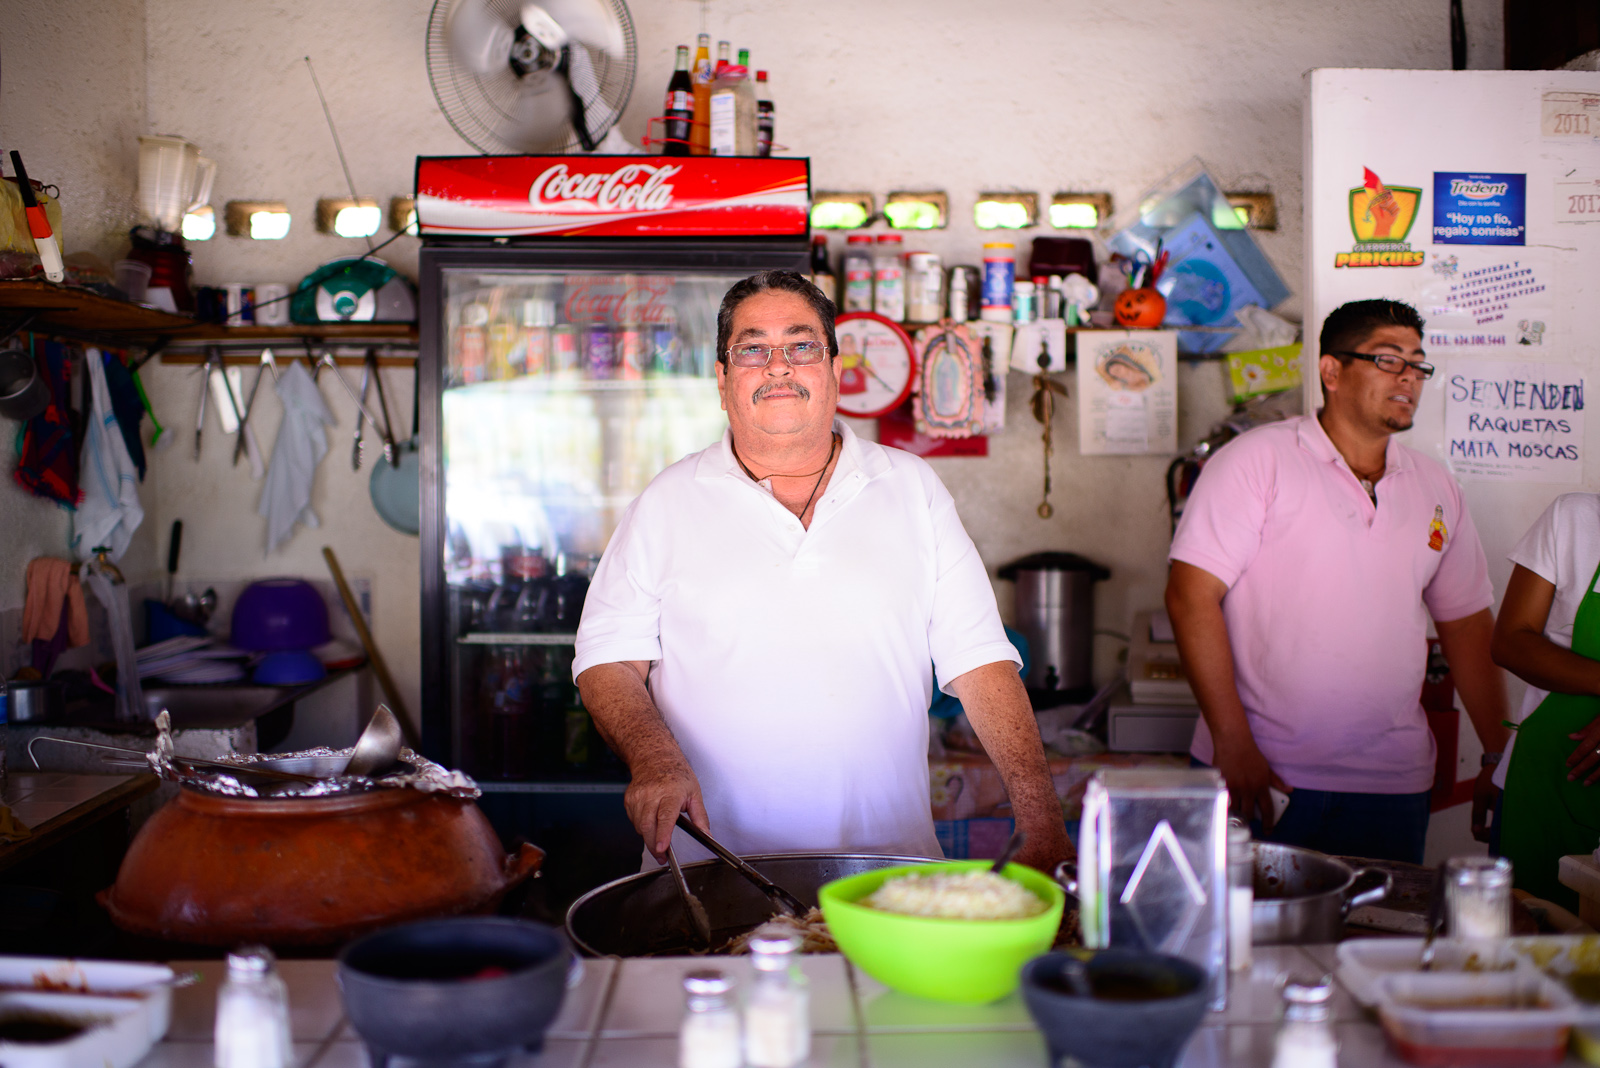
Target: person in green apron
column 1548, row 634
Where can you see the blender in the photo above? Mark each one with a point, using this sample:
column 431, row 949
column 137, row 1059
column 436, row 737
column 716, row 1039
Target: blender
column 174, row 179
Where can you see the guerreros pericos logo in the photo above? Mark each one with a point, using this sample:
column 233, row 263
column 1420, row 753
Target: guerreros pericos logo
column 1380, row 218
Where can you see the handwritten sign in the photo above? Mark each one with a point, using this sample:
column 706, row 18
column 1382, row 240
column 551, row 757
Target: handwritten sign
column 1577, row 199
column 1569, row 116
column 1507, row 420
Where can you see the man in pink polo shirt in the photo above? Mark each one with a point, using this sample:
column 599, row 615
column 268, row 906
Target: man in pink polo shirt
column 1308, row 562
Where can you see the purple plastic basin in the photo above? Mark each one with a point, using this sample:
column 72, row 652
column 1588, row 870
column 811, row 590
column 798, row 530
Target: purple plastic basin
column 280, row 614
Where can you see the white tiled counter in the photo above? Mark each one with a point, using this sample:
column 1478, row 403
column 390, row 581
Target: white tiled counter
column 625, row 1014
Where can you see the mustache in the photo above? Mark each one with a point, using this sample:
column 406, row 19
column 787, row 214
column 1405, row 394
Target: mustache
column 762, row 392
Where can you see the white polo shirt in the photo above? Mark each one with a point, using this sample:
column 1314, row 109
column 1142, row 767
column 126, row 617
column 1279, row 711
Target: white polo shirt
column 1328, row 600
column 793, row 665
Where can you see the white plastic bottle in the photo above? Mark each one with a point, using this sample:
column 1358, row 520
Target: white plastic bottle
column 252, row 1027
column 856, row 266
column 889, row 279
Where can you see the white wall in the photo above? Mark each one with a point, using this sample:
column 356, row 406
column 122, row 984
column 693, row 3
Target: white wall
column 1037, row 95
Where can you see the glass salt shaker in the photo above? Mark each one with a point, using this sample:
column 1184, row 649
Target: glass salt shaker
column 1478, row 897
column 777, row 1014
column 709, row 1035
column 1241, row 894
column 1305, row 1037
column 252, row 1029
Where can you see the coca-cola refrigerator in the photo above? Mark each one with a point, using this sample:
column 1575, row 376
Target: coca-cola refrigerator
column 568, row 321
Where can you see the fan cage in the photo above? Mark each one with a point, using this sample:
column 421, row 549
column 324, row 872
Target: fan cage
column 474, row 104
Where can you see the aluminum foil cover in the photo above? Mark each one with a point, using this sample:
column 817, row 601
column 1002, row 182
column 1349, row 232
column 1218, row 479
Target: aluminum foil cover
column 411, row 772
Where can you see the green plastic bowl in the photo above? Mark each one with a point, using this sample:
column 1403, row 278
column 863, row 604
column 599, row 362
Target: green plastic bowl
column 963, row 961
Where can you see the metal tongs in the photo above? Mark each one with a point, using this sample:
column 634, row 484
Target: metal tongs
column 781, row 899
column 177, row 761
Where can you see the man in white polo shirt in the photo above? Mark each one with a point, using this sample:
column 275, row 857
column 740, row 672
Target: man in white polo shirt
column 758, row 640
column 1304, row 572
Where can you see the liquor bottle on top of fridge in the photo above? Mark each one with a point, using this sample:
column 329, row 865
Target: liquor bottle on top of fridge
column 856, row 267
column 888, row 279
column 733, row 113
column 700, row 80
column 722, row 59
column 764, row 115
column 822, row 275
column 678, row 115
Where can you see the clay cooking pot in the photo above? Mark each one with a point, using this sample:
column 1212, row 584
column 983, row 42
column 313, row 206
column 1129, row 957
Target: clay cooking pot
column 224, row 870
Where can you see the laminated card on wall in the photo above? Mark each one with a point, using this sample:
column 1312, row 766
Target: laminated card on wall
column 1127, row 392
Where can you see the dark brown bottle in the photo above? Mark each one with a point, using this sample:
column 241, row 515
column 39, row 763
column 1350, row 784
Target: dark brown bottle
column 679, row 111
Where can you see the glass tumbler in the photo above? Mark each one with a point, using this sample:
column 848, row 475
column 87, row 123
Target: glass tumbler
column 1478, row 897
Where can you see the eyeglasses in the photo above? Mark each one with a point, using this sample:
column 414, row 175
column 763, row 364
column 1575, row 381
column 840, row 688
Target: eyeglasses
column 1387, row 361
column 800, row 354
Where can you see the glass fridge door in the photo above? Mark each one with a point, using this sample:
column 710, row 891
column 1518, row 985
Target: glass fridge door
column 565, row 393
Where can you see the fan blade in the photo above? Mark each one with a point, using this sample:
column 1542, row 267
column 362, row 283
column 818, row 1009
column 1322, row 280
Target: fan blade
column 586, row 21
column 480, row 40
column 536, row 119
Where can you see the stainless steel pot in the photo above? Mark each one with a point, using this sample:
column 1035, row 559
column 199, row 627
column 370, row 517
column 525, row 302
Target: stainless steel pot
column 35, row 700
column 1302, row 896
column 643, row 915
column 1054, row 609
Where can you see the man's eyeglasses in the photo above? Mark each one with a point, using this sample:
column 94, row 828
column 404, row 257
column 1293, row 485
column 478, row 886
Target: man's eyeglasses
column 800, row 354
column 1387, row 361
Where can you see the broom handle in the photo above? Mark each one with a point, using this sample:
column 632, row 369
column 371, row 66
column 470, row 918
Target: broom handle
column 375, row 658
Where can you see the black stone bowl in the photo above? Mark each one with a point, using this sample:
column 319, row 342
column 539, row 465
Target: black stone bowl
column 1143, row 1009
column 419, row 991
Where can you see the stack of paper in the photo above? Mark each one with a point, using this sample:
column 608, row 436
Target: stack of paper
column 191, row 659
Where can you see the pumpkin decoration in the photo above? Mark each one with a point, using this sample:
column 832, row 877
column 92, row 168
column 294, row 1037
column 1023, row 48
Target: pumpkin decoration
column 1141, row 305
column 1143, row 308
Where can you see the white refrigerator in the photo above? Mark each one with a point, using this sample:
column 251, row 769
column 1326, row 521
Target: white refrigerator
column 1474, row 195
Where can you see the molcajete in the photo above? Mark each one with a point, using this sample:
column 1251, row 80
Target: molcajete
column 222, row 870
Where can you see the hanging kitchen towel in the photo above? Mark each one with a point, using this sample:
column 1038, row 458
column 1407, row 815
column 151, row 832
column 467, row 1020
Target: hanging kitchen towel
column 51, row 585
column 47, row 463
column 128, row 405
column 301, row 445
column 113, row 596
column 110, row 511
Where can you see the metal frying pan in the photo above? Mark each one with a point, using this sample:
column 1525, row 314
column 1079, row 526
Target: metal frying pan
column 396, row 491
column 643, row 915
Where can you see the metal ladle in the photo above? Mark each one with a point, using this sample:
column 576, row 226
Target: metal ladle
column 379, row 745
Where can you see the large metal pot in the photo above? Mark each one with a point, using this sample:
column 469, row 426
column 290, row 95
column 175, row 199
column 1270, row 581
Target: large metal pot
column 223, row 870
column 642, row 915
column 1302, row 896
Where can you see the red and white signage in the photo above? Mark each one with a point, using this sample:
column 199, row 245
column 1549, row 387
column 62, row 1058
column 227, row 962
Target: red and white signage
column 612, row 196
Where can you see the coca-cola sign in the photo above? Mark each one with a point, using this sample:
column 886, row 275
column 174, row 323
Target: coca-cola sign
column 654, row 196
column 620, row 299
column 637, row 185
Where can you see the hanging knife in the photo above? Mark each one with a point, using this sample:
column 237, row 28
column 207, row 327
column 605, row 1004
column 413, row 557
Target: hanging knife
column 205, row 387
column 249, row 405
column 361, row 415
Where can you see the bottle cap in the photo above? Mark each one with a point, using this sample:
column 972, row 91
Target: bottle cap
column 706, row 982
column 771, row 946
column 859, row 239
column 1306, row 997
column 761, row 75
column 733, row 72
column 251, row 961
column 889, row 239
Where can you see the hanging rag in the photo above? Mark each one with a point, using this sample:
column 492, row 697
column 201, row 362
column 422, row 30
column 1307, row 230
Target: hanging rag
column 110, row 510
column 47, row 463
column 113, row 596
column 51, row 589
column 301, row 445
column 129, row 407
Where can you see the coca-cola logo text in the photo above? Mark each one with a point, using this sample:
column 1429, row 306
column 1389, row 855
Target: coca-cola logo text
column 597, row 301
column 633, row 186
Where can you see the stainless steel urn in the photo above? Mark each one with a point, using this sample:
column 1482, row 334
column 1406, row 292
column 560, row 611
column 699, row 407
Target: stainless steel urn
column 1055, row 612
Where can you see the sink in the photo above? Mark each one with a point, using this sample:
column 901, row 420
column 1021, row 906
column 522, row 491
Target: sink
column 211, row 707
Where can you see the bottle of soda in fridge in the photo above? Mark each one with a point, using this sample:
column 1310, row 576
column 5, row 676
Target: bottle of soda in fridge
column 679, row 112
column 764, row 115
column 822, row 275
column 700, row 81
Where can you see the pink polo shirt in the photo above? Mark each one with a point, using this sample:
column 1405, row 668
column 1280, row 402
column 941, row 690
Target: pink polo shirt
column 1328, row 600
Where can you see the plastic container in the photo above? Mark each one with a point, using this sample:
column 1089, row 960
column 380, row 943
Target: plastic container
column 280, row 614
column 999, row 280
column 889, row 279
column 963, row 961
column 1516, row 1019
column 856, row 267
column 1364, row 962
